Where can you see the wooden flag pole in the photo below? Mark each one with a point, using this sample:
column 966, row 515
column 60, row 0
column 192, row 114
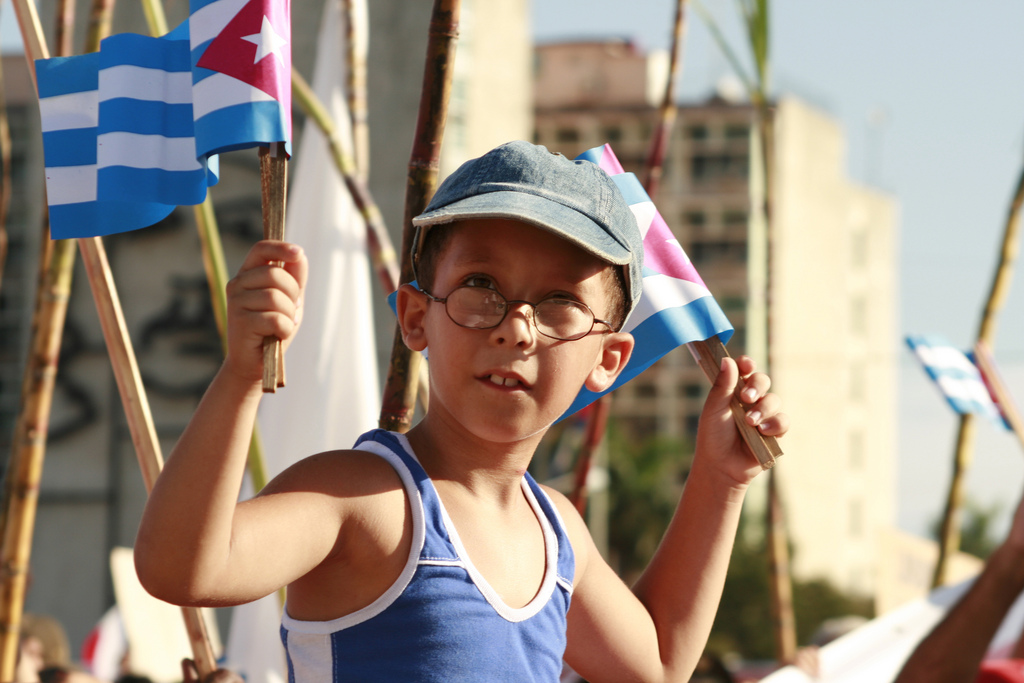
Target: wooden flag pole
column 709, row 354
column 273, row 191
column 987, row 365
column 122, row 356
column 949, row 540
column 424, row 162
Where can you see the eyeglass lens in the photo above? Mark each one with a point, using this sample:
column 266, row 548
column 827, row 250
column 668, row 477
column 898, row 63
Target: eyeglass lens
column 482, row 308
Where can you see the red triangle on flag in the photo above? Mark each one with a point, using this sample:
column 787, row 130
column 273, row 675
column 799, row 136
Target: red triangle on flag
column 235, row 50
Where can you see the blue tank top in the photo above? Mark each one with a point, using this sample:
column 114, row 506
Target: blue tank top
column 441, row 621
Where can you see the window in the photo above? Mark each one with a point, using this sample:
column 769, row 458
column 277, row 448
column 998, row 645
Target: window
column 859, row 249
column 737, row 132
column 695, row 219
column 718, row 251
column 706, row 167
column 856, row 518
column 697, row 132
column 859, row 316
column 612, row 134
column 734, row 218
column 691, row 390
column 567, row 135
column 646, row 390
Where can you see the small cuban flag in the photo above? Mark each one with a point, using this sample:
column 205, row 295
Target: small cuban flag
column 676, row 306
column 133, row 130
column 957, row 376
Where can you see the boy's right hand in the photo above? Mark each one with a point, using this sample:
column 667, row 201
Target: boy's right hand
column 264, row 300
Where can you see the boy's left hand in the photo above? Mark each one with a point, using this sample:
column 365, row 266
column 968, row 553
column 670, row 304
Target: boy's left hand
column 719, row 443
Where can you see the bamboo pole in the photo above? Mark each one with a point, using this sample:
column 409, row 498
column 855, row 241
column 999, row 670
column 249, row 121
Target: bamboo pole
column 5, row 177
column 122, row 356
column 64, row 31
column 593, row 435
column 404, row 368
column 357, row 45
column 25, row 465
column 949, row 538
column 987, row 365
column 668, row 110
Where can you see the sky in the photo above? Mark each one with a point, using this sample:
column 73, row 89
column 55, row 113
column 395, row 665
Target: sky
column 930, row 95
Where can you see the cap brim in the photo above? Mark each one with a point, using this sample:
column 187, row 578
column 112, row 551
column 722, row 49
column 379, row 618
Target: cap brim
column 562, row 220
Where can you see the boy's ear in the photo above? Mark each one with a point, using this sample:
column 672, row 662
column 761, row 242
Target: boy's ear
column 616, row 349
column 411, row 309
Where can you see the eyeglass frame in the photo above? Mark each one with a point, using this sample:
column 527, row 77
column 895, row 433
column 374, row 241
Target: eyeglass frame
column 509, row 302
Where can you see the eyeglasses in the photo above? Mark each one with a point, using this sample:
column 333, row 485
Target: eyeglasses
column 483, row 308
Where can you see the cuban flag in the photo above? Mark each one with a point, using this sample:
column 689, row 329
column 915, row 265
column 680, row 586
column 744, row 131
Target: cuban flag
column 957, row 376
column 676, row 306
column 132, row 131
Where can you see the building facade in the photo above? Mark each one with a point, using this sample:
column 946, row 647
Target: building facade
column 831, row 322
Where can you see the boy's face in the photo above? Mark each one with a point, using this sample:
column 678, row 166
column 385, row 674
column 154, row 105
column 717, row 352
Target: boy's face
column 510, row 382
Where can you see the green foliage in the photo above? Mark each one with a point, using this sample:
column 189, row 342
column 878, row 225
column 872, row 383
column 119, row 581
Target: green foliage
column 744, row 621
column 645, row 483
column 976, row 531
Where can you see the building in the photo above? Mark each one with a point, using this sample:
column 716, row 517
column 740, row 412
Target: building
column 833, row 288
column 92, row 494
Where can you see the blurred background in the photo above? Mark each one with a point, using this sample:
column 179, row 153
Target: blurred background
column 899, row 144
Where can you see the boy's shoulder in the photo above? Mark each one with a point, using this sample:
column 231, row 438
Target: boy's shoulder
column 343, row 473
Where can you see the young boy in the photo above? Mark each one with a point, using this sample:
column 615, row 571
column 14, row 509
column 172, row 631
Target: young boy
column 433, row 556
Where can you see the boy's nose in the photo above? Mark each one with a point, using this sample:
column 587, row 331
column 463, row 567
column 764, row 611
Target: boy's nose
column 518, row 326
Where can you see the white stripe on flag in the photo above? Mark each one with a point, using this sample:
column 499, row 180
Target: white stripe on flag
column 219, row 91
column 206, row 23
column 140, row 83
column 71, row 184
column 662, row 292
column 946, row 358
column 146, row 151
column 644, row 213
column 67, row 112
column 966, row 389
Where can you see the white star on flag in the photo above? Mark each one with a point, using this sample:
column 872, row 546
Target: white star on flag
column 267, row 42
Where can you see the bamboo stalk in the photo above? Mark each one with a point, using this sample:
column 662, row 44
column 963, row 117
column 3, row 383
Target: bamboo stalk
column 404, row 368
column 654, row 165
column 25, row 467
column 122, row 356
column 64, row 32
column 592, row 436
column 987, row 365
column 5, row 177
column 382, row 251
column 949, row 539
column 357, row 43
column 668, row 110
column 783, row 617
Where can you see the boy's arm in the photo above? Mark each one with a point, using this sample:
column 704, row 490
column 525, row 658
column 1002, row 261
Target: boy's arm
column 658, row 632
column 191, row 546
column 953, row 651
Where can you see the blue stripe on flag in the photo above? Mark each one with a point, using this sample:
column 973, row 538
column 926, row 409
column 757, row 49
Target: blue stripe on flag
column 74, row 147
column 630, row 187
column 668, row 329
column 240, row 126
column 65, row 75
column 133, row 49
column 196, row 5
column 89, row 219
column 124, row 184
column 146, row 118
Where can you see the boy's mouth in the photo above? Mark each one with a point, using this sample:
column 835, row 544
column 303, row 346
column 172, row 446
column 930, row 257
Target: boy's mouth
column 508, row 382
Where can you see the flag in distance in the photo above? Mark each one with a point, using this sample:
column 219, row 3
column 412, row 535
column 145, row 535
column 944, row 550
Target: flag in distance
column 676, row 306
column 957, row 376
column 132, row 131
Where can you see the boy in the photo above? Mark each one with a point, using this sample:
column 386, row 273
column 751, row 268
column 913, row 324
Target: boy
column 452, row 564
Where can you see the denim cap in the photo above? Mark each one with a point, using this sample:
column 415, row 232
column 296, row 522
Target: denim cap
column 520, row 181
